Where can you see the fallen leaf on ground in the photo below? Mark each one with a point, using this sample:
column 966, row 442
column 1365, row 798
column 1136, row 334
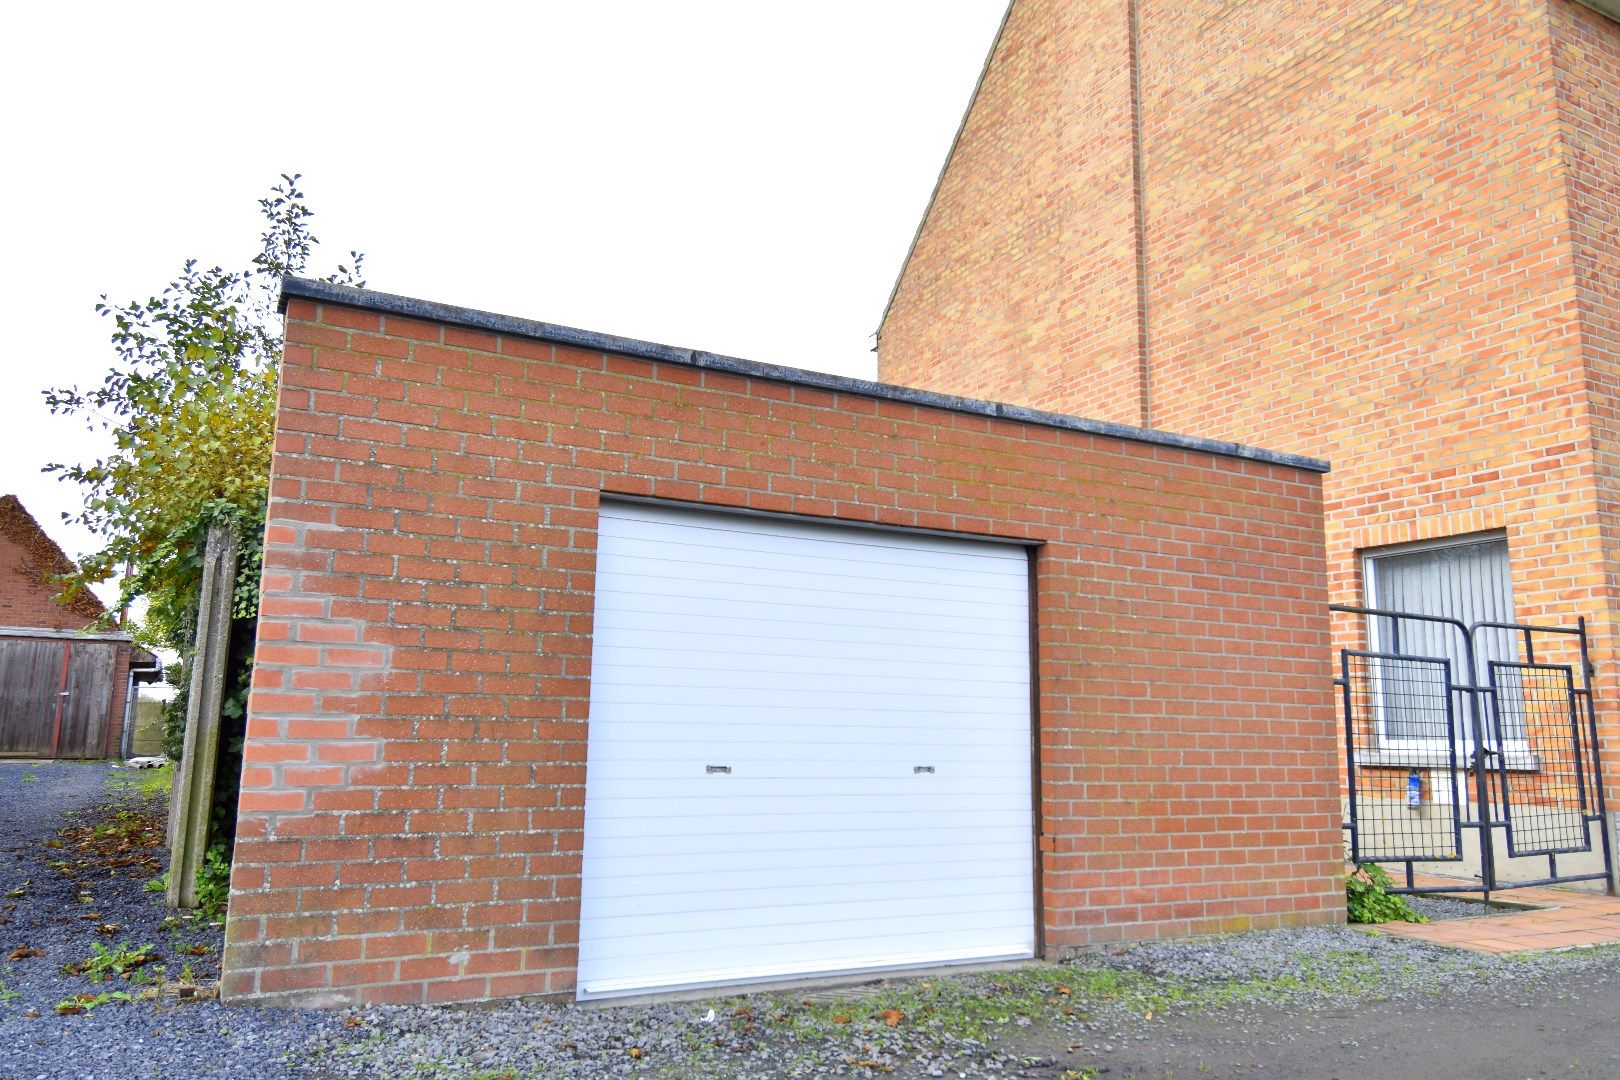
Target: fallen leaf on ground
column 842, row 1018
column 23, row 952
column 635, row 1051
column 892, row 1017
column 742, row 1011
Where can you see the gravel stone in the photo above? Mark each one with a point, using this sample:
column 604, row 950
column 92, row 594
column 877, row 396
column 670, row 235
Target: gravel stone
column 1283, row 985
column 1441, row 908
column 147, row 1039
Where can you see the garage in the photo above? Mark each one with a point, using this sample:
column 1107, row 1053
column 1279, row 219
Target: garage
column 809, row 751
column 590, row 667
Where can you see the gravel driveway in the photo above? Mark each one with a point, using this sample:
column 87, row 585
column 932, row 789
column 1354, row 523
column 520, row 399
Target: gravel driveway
column 1310, row 1003
column 60, row 900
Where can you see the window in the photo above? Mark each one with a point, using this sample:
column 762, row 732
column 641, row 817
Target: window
column 1463, row 579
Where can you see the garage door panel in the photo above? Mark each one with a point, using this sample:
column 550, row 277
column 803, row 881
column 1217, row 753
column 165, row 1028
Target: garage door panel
column 799, row 544
column 690, row 959
column 859, row 611
column 821, row 666
column 623, row 627
column 975, row 928
column 869, row 752
column 651, row 571
column 855, row 682
column 903, row 911
column 820, row 697
column 874, row 765
column 794, row 719
column 750, row 853
column 646, row 642
column 770, row 839
column 749, row 834
column 943, row 810
column 714, row 667
column 784, row 887
column 844, row 790
column 859, row 727
column 807, row 546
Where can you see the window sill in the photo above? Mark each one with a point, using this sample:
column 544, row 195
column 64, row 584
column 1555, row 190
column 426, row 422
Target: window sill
column 1439, row 759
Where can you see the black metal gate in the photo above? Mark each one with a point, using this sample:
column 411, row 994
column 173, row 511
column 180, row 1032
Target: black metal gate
column 1473, row 745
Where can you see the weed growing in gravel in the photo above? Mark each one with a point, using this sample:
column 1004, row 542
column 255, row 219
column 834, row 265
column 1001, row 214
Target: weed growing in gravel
column 104, row 963
column 1368, row 899
column 84, row 1003
column 214, row 881
column 7, row 995
column 147, row 783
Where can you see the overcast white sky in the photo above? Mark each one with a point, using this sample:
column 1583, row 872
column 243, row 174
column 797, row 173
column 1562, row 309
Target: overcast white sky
column 739, row 176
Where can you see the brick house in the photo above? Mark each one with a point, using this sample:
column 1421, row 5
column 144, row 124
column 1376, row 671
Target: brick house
column 64, row 692
column 1382, row 234
column 593, row 666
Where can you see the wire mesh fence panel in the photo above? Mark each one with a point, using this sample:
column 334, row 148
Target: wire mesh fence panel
column 1399, row 709
column 1548, row 799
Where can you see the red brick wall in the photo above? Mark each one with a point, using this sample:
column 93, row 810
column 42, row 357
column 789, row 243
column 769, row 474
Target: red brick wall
column 1381, row 234
column 1586, row 54
column 1023, row 284
column 26, row 599
column 413, row 784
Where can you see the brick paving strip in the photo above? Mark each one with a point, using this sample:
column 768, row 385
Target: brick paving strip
column 1554, row 919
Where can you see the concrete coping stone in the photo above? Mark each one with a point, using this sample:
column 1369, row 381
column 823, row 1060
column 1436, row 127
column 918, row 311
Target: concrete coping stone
column 65, row 635
column 324, row 292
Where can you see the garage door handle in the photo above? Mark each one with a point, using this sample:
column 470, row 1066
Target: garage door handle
column 717, row 768
column 922, row 768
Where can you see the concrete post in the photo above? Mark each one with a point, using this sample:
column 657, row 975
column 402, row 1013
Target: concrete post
column 194, row 780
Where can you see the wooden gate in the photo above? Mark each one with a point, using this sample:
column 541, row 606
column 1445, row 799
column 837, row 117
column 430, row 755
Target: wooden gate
column 57, row 695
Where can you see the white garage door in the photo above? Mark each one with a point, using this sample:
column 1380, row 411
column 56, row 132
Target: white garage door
column 809, row 752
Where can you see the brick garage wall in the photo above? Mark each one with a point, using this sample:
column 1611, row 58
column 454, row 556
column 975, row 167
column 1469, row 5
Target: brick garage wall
column 412, row 794
column 1380, row 234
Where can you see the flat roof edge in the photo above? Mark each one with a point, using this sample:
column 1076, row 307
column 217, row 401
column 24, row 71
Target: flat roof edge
column 294, row 288
column 66, row 635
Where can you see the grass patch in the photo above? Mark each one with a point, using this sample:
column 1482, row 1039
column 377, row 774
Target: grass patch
column 147, row 783
column 977, row 1007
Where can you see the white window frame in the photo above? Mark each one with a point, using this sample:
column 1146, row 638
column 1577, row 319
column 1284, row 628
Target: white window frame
column 1370, row 557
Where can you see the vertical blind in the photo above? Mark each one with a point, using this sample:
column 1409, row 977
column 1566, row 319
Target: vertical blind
column 1469, row 582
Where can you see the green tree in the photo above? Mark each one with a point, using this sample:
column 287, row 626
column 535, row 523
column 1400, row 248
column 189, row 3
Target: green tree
column 190, row 408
